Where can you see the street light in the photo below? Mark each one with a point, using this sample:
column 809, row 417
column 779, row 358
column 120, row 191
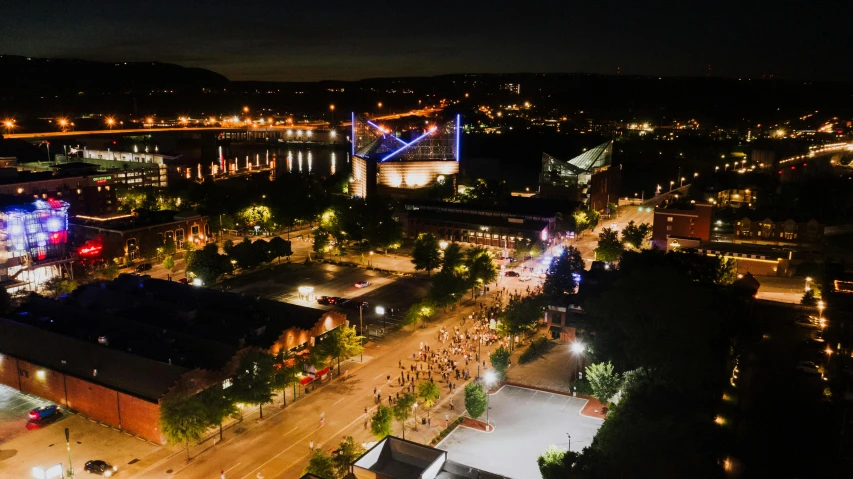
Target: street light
column 9, row 125
column 380, row 310
column 808, row 280
column 578, row 348
column 110, row 122
column 671, row 184
column 489, row 377
column 442, row 244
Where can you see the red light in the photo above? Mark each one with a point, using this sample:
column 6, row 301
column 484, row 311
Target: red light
column 56, row 238
column 54, row 203
column 780, row 172
column 33, row 415
column 805, row 164
column 114, row 143
column 793, row 167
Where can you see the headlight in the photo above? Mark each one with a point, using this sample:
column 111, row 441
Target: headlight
column 108, row 473
column 115, row 468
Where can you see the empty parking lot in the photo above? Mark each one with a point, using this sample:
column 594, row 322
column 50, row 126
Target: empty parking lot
column 526, row 422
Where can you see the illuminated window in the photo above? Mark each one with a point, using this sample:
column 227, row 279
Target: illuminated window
column 669, row 219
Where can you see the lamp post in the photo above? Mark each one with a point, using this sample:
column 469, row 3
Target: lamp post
column 578, row 349
column 381, row 311
column 361, row 329
column 489, row 378
column 808, row 280
column 68, row 447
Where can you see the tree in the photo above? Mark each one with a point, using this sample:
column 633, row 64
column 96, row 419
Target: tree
column 560, row 281
column 286, row 372
column 556, row 463
column 452, row 260
column 500, row 361
column 249, row 254
column 385, row 234
column 149, row 245
column 169, row 262
column 426, row 254
column 428, row 393
column 346, row 454
column 520, row 317
column 419, row 312
column 168, row 248
column 252, row 382
column 322, row 465
column 602, row 379
column 207, row 264
column 808, row 298
column 108, row 271
column 321, row 242
column 636, row 235
column 380, row 423
column 609, row 246
column 182, row 419
column 446, row 289
column 403, row 408
column 280, row 247
column 581, row 222
column 481, row 268
column 341, row 343
column 59, row 286
column 475, row 399
column 216, row 406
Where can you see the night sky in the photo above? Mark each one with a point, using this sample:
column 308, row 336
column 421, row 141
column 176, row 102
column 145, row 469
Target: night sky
column 330, row 39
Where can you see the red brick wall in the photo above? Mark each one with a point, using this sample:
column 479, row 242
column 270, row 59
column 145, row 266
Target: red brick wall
column 9, row 371
column 49, row 387
column 92, row 400
column 140, row 417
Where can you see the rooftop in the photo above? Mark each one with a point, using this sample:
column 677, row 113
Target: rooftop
column 480, row 220
column 141, row 219
column 396, row 458
column 122, row 371
column 519, row 206
column 166, row 321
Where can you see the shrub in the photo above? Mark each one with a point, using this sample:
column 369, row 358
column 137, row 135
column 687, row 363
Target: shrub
column 538, row 346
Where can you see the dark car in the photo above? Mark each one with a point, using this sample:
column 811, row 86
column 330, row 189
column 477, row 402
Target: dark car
column 143, row 267
column 43, row 412
column 183, row 281
column 513, row 274
column 99, row 467
column 326, row 300
column 350, row 304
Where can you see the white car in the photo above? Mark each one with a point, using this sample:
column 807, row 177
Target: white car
column 808, row 367
column 362, row 284
column 614, row 225
column 526, row 277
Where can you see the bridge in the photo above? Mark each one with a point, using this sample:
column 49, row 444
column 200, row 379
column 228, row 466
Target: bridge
column 236, row 132
column 839, row 154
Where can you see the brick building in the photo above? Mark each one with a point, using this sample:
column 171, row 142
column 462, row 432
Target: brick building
column 125, row 235
column 113, row 351
column 679, row 224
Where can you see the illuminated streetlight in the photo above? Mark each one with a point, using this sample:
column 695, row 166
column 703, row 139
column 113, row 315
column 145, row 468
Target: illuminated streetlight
column 110, row 122
column 489, row 377
column 808, row 280
column 578, row 347
column 442, row 244
column 9, row 124
column 245, row 109
column 332, row 107
column 671, row 184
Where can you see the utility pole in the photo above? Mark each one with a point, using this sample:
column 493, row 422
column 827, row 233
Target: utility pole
column 361, row 329
column 70, row 471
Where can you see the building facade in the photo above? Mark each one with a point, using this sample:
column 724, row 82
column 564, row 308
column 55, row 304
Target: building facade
column 772, row 232
column 681, row 225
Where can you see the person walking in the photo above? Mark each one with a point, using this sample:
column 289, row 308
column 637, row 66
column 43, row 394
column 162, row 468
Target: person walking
column 311, row 446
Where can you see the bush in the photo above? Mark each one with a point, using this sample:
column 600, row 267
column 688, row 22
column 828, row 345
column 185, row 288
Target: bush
column 538, row 346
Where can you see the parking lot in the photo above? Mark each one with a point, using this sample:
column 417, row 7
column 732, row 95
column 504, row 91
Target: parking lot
column 526, row 422
column 24, row 444
column 281, row 283
column 14, row 407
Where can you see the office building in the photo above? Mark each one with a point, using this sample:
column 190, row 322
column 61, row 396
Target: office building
column 679, row 224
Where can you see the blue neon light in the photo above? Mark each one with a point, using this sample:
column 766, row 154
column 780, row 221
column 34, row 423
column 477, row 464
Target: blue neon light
column 352, row 140
column 458, row 121
column 383, row 131
column 410, row 144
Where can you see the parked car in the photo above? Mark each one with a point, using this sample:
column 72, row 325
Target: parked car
column 362, row 284
column 183, row 281
column 513, row 274
column 803, row 323
column 326, row 300
column 143, row 267
column 525, row 278
column 808, row 367
column 101, row 468
column 351, row 304
column 43, row 412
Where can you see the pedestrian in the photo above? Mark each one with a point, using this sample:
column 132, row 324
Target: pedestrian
column 451, row 404
column 429, row 422
column 311, row 446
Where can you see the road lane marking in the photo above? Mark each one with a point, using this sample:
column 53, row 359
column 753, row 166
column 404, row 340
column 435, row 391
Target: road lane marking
column 282, row 452
column 288, row 432
column 339, row 400
column 567, row 402
column 232, row 467
column 380, row 375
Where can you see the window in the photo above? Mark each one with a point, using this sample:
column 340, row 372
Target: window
column 179, row 237
column 194, row 230
column 668, row 227
column 669, row 219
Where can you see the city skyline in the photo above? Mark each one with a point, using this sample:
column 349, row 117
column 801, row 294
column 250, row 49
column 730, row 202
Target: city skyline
column 257, row 41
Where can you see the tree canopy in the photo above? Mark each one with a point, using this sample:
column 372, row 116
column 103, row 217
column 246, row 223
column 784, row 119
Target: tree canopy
column 609, row 246
column 252, row 383
column 560, row 281
column 380, row 423
column 426, row 253
column 475, row 399
column 636, row 234
column 343, row 342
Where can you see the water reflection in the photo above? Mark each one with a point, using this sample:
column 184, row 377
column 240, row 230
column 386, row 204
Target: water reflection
column 321, row 161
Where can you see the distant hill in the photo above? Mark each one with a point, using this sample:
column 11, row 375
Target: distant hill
column 44, row 76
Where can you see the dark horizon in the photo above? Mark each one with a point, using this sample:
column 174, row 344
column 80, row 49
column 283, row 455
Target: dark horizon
column 257, row 41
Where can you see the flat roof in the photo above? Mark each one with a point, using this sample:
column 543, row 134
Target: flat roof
column 129, row 223
column 515, row 205
column 119, row 370
column 167, row 321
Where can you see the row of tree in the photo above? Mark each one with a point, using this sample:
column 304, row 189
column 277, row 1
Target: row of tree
column 611, row 245
column 208, row 264
column 185, row 418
